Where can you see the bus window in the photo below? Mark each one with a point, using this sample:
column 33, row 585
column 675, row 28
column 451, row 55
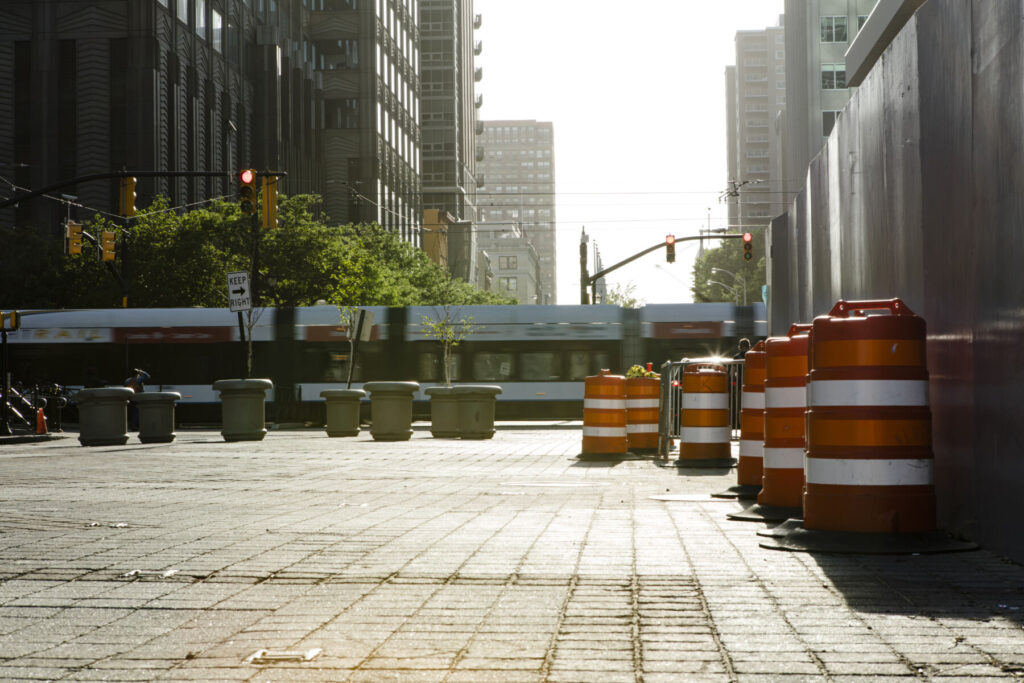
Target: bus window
column 579, row 365
column 492, row 366
column 430, row 367
column 539, row 366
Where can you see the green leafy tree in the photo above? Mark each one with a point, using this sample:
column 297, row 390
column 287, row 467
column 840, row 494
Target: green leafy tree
column 729, row 257
column 624, row 296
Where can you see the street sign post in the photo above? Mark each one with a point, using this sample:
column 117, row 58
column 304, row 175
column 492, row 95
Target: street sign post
column 239, row 294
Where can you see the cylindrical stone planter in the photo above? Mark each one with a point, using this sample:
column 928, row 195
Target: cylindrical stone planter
column 103, row 416
column 391, row 410
column 243, row 412
column 156, row 415
column 444, row 412
column 476, row 409
column 343, row 411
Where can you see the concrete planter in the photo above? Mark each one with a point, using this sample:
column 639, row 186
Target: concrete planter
column 391, row 409
column 103, row 416
column 476, row 409
column 343, row 411
column 444, row 412
column 156, row 415
column 243, row 413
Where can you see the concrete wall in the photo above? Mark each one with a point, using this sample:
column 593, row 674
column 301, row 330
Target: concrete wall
column 919, row 194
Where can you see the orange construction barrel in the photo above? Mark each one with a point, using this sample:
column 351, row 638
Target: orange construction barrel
column 868, row 467
column 749, row 471
column 642, row 404
column 705, row 434
column 785, row 400
column 604, row 414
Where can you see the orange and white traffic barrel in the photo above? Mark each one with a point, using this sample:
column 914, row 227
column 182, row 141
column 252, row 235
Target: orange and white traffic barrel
column 705, row 434
column 869, row 484
column 604, row 414
column 869, row 456
column 642, row 405
column 749, row 470
column 785, row 401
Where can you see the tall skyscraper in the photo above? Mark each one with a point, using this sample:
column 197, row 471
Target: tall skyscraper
column 368, row 51
column 449, row 122
column 818, row 33
column 171, row 85
column 756, row 93
column 517, row 208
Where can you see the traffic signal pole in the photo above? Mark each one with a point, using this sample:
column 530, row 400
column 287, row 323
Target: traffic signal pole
column 591, row 280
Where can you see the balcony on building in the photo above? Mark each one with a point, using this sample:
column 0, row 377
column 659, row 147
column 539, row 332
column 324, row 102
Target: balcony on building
column 478, row 74
column 479, row 102
column 479, row 129
column 480, row 183
column 478, row 47
column 478, row 21
column 479, row 153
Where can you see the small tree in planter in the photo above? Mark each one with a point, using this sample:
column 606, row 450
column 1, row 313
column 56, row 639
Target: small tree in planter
column 342, row 410
column 448, row 328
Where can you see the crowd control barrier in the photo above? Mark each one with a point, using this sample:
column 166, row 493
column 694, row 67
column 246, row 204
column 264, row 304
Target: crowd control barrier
column 670, row 423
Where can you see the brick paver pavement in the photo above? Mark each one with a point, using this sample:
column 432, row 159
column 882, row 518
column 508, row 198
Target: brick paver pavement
column 444, row 560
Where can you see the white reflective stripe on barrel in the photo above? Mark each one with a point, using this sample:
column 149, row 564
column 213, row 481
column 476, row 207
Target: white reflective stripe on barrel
column 705, row 434
column 868, row 392
column 862, row 472
column 641, row 403
column 697, row 401
column 751, row 448
column 604, row 403
column 645, row 428
column 753, row 400
column 604, row 431
column 785, row 397
column 783, row 458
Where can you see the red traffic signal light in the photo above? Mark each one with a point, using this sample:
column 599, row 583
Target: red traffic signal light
column 670, row 248
column 748, row 246
column 247, row 191
column 670, row 239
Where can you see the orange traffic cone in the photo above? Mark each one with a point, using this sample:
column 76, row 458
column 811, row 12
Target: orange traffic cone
column 40, row 421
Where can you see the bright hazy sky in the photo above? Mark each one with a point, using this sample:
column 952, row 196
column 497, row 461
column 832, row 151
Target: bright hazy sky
column 636, row 92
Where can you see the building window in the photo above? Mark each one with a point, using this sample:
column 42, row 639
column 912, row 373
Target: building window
column 163, row 2
column 861, row 18
column 833, row 76
column 183, row 10
column 201, row 18
column 828, row 120
column 833, row 29
column 217, row 24
column 508, row 262
column 508, row 284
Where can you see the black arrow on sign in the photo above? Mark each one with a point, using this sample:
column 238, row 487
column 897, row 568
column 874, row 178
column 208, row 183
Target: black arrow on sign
column 239, row 291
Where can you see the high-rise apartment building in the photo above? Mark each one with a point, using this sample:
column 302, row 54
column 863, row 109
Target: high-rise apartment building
column 171, row 85
column 818, row 33
column 517, row 208
column 450, row 103
column 756, row 93
column 368, row 51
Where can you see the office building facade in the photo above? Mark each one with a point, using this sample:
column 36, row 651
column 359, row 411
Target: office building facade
column 756, row 93
column 517, row 208
column 155, row 85
column 368, row 54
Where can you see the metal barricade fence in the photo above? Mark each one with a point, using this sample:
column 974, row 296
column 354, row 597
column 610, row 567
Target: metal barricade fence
column 669, row 419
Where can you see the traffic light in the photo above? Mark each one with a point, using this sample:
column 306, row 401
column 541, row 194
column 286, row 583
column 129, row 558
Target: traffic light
column 73, row 238
column 670, row 248
column 107, row 245
column 127, row 200
column 269, row 201
column 247, row 191
column 748, row 246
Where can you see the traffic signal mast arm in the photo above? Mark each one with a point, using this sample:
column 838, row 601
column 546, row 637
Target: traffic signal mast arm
column 17, row 199
column 600, row 274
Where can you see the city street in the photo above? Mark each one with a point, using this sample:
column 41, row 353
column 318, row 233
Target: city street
column 448, row 560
